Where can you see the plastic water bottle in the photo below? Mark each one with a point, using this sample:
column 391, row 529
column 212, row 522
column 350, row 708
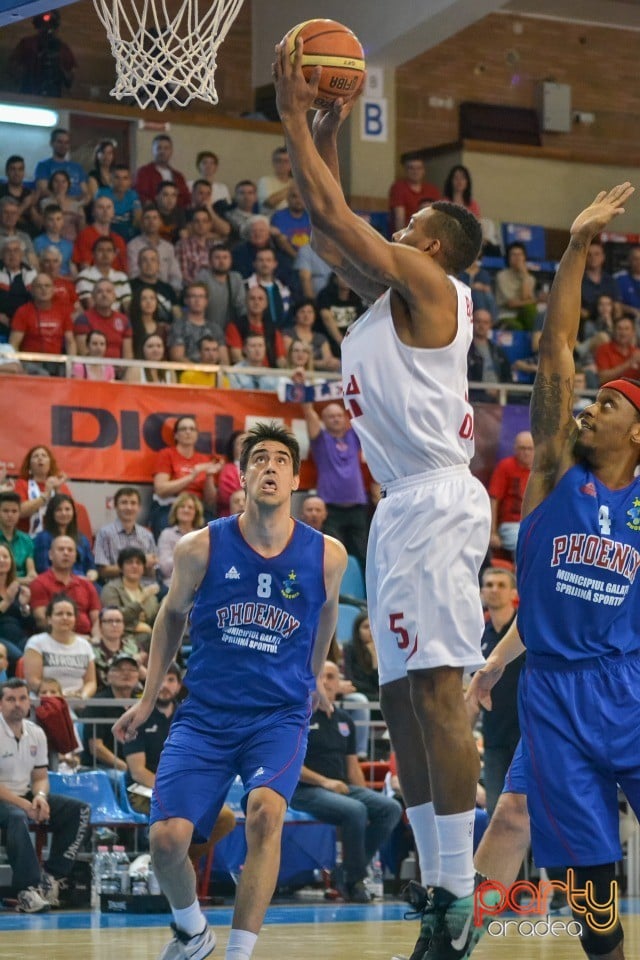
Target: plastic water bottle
column 105, row 872
column 122, row 867
column 377, row 880
column 98, row 868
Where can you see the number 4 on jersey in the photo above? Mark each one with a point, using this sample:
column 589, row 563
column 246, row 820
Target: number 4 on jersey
column 351, row 391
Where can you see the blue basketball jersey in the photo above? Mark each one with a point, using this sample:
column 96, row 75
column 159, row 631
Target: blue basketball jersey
column 578, row 557
column 254, row 621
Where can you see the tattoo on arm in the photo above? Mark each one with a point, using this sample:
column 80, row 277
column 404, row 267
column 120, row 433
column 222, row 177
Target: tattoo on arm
column 550, row 411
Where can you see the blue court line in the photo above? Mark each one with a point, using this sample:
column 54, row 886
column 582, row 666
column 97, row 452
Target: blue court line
column 221, row 917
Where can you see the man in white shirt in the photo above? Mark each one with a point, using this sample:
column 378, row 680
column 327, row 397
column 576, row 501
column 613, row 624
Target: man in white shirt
column 25, row 800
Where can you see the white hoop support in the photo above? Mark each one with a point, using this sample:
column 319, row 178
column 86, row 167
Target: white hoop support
column 166, row 58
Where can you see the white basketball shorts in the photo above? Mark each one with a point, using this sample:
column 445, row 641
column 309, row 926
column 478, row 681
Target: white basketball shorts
column 428, row 539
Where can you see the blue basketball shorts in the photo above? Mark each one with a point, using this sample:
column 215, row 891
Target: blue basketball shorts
column 580, row 725
column 204, row 753
column 515, row 781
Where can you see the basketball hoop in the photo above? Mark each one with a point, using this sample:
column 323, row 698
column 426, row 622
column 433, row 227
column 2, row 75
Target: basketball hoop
column 165, row 57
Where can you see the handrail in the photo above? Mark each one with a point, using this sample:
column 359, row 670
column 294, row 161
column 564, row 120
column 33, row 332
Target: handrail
column 221, row 370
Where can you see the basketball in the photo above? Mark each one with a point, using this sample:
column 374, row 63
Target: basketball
column 337, row 50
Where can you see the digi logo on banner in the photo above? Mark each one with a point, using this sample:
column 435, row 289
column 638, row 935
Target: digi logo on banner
column 374, row 120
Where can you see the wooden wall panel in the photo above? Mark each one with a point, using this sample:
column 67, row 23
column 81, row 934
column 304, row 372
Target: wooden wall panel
column 490, row 63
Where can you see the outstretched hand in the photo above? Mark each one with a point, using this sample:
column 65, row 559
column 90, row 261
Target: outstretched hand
column 327, row 122
column 294, row 95
column 478, row 693
column 606, row 206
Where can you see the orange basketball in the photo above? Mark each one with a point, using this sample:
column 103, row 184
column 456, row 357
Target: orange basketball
column 337, row 50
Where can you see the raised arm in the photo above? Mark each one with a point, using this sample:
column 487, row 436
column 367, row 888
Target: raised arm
column 552, row 423
column 417, row 278
column 326, row 125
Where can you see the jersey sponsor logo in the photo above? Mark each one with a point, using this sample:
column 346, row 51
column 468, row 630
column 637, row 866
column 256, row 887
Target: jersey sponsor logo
column 232, row 574
column 33, row 749
column 259, row 772
column 344, row 728
column 265, row 615
column 634, row 513
column 592, row 550
column 290, row 590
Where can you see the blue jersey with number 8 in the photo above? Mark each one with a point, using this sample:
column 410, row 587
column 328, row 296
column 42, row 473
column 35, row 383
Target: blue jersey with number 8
column 254, row 621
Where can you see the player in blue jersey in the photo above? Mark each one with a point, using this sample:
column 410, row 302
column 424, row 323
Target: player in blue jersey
column 262, row 592
column 578, row 557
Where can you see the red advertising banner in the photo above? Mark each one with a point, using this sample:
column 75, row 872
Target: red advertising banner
column 113, row 431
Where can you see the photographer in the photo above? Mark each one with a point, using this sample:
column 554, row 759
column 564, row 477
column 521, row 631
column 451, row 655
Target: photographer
column 44, row 63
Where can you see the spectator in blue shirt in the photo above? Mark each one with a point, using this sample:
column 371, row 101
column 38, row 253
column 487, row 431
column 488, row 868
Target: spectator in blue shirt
column 60, row 142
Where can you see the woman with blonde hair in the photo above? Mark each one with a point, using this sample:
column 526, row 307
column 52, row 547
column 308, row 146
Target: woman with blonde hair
column 186, row 515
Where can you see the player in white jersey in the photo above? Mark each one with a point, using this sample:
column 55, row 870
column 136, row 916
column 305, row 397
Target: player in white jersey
column 404, row 374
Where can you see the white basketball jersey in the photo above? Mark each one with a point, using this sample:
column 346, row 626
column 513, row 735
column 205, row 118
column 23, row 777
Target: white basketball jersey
column 408, row 405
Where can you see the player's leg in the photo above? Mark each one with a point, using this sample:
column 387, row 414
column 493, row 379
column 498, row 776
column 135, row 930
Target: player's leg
column 270, row 761
column 263, row 830
column 454, row 768
column 507, row 838
column 169, row 842
column 192, row 781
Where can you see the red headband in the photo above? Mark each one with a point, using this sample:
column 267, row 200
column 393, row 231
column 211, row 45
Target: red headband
column 628, row 388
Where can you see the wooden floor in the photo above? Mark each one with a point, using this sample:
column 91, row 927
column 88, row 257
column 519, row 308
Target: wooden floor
column 370, row 940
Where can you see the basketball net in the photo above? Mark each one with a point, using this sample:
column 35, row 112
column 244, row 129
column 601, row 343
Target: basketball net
column 166, row 57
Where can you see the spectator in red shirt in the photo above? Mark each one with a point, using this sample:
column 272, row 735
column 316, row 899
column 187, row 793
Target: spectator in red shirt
column 506, row 490
column 64, row 289
column 115, row 325
column 182, row 469
column 40, row 478
column 103, row 216
column 259, row 321
column 407, row 194
column 60, row 578
column 150, row 176
column 43, row 327
column 621, row 356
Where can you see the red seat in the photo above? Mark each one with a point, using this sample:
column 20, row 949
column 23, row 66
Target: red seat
column 374, row 772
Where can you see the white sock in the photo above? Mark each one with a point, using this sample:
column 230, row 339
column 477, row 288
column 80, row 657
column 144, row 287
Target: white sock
column 192, row 920
column 455, row 840
column 240, row 945
column 423, row 823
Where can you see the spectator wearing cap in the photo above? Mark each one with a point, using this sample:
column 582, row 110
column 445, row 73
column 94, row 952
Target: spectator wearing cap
column 123, row 682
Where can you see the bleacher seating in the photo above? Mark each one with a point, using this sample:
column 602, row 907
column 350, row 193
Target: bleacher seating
column 347, row 613
column 94, row 787
column 353, row 586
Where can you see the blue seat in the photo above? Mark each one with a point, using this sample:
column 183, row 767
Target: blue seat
column 532, row 236
column 347, row 613
column 353, row 582
column 123, row 800
column 94, row 788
